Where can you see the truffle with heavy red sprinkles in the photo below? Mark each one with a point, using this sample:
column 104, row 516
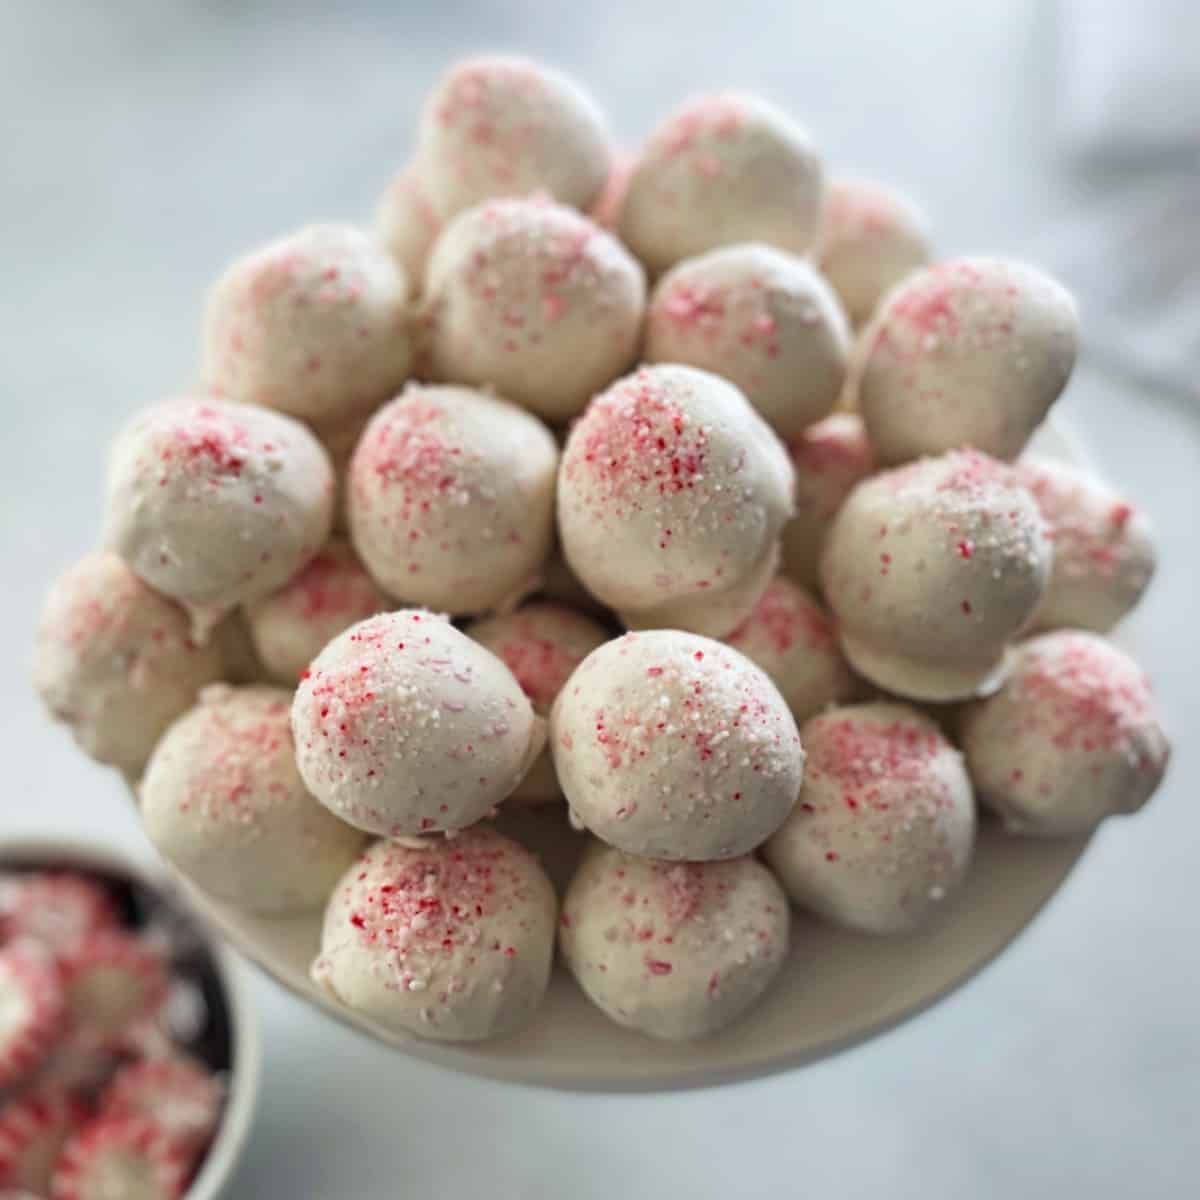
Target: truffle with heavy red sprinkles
column 32, row 1007
column 120, row 1156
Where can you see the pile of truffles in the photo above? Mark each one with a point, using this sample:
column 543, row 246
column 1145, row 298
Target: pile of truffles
column 662, row 489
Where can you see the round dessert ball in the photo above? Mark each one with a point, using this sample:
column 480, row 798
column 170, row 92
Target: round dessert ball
column 216, row 504
column 340, row 443
column 452, row 940
column 497, row 125
column 314, row 324
column 405, row 726
column 541, row 644
column 830, row 458
column 675, row 950
column 606, row 211
column 406, row 224
column 673, row 746
column 223, row 801
column 1104, row 554
column 931, row 569
column 330, row 593
column 722, row 169
column 115, row 661
column 763, row 319
column 885, row 825
column 1072, row 737
column 970, row 352
column 451, row 499
column 794, row 640
column 871, row 238
column 672, row 489
column 239, row 659
column 535, row 300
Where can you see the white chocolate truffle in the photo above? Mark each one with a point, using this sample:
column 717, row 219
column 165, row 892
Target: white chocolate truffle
column 406, row 224
column 340, row 443
column 672, row 488
column 452, row 940
column 497, row 125
column 451, row 499
column 931, row 570
column 1072, row 737
column 1104, row 554
column 763, row 319
column 673, row 746
column 216, row 504
column 970, row 352
column 722, row 169
column 405, row 726
column 314, row 324
column 794, row 640
column 292, row 626
column 115, row 661
column 675, row 950
column 606, row 211
column 830, row 458
column 885, row 825
column 223, row 801
column 871, row 238
column 541, row 644
column 535, row 300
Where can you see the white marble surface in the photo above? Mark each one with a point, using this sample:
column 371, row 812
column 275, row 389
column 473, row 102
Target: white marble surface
column 143, row 142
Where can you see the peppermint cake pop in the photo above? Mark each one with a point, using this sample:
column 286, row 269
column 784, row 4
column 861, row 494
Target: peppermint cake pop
column 1072, row 737
column 216, row 504
column 673, row 746
column 406, row 224
column 535, row 300
column 130, row 1157
column 31, row 1009
column 722, row 169
column 405, row 726
column 871, row 238
column 675, row 950
column 970, row 352
column 830, row 458
column 292, row 626
column 541, row 644
column 314, row 324
column 793, row 639
column 176, row 1091
column 498, row 125
column 672, row 489
column 451, row 499
column 1103, row 547
column 763, row 319
column 115, row 661
column 931, row 569
column 884, row 828
column 451, row 940
column 222, row 800
column 33, row 1128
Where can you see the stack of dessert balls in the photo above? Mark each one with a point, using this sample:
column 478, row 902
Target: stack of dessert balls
column 667, row 491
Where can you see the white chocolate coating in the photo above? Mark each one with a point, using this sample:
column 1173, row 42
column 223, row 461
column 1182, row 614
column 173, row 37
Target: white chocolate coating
column 115, row 661
column 453, row 940
column 541, row 644
column 314, row 325
column 451, row 499
column 722, row 169
column 675, row 950
column 671, row 486
column 763, row 319
column 1072, row 737
column 406, row 224
column 871, row 238
column 223, row 801
column 885, row 824
column 405, row 726
column 1104, row 555
column 970, row 352
column 673, row 746
column 498, row 125
column 931, row 569
column 216, row 504
column 535, row 300
column 292, row 626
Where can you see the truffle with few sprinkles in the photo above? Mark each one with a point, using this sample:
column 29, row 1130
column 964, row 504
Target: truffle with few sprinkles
column 406, row 223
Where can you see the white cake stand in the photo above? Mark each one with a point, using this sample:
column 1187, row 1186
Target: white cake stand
column 836, row 989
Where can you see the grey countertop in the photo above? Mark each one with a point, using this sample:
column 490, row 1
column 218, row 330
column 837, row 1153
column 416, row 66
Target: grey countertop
column 145, row 142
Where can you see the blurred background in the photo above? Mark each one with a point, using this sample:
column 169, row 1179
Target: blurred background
column 144, row 143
